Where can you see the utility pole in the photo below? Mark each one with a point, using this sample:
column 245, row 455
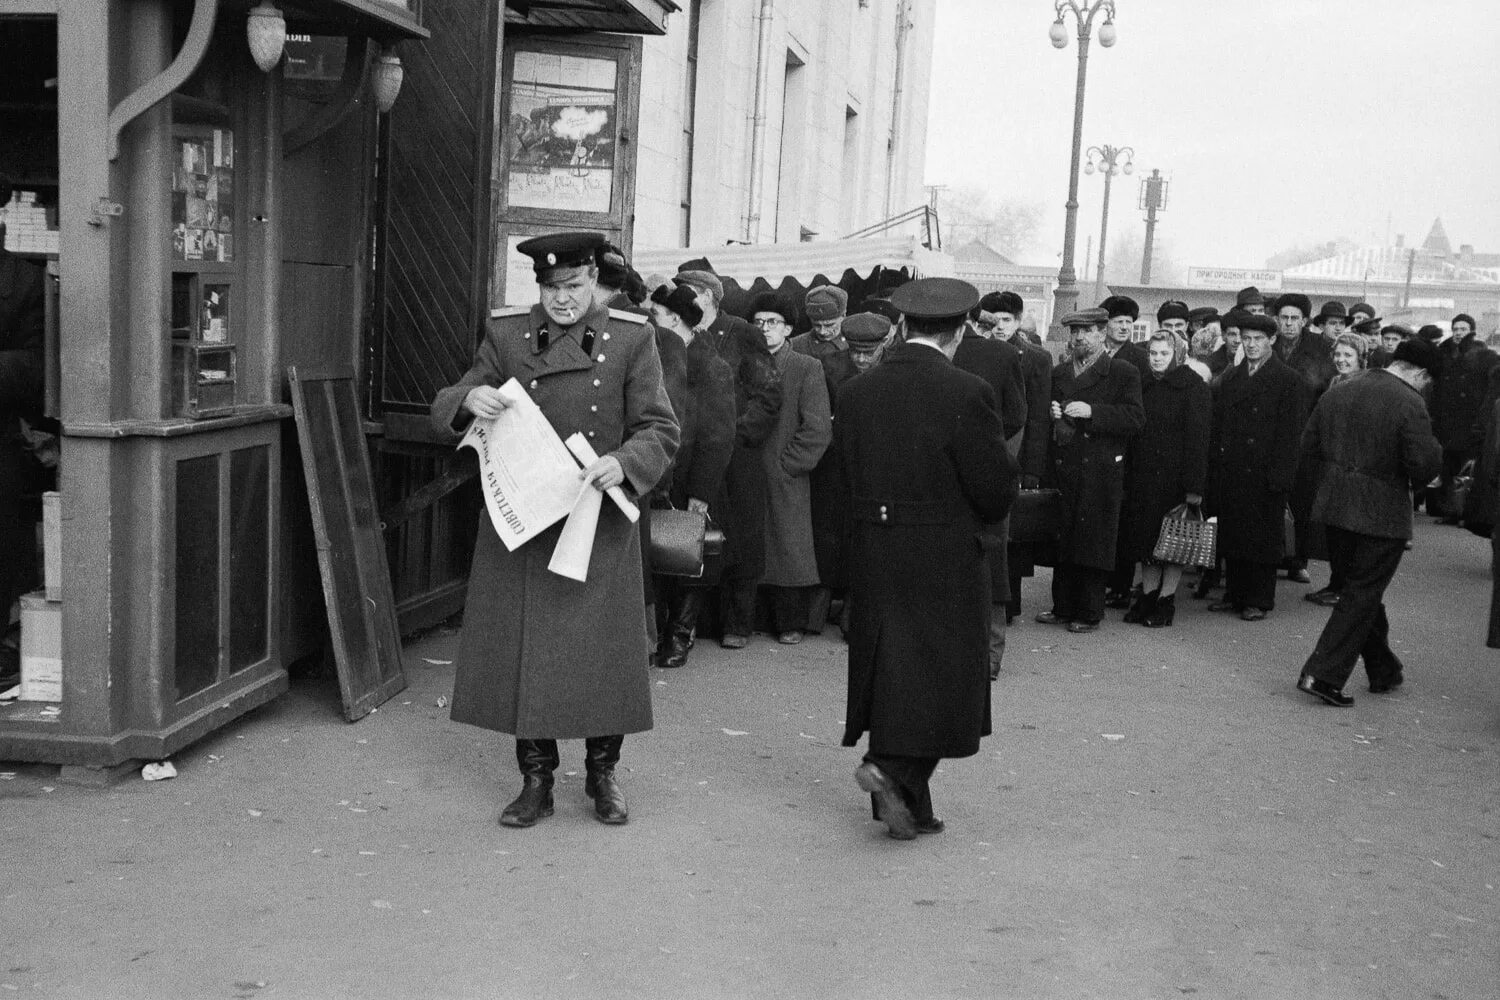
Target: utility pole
column 1153, row 200
column 1411, row 263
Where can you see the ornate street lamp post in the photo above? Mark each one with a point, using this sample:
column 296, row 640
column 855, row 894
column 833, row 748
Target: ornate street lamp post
column 1111, row 160
column 1065, row 299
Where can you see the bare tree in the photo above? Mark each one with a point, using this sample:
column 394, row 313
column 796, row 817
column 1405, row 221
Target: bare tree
column 1008, row 225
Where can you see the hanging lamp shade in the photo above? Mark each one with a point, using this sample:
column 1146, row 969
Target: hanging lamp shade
column 385, row 80
column 266, row 29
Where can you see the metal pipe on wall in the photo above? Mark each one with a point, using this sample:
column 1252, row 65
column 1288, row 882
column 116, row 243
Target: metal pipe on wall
column 903, row 25
column 758, row 121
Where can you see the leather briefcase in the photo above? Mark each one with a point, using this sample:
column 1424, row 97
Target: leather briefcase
column 685, row 543
column 1036, row 517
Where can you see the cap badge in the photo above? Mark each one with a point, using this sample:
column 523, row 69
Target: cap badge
column 551, row 259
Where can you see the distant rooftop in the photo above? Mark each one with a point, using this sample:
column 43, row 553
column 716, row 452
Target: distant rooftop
column 1433, row 261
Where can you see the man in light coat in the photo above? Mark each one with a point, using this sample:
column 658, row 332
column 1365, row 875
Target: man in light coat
column 1369, row 438
column 803, row 431
column 542, row 656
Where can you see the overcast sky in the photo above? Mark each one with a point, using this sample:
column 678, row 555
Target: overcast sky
column 1279, row 122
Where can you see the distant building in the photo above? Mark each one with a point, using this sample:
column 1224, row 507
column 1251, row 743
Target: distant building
column 991, row 271
column 836, row 144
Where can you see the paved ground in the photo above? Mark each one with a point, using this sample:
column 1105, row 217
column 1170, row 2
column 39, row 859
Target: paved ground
column 1158, row 814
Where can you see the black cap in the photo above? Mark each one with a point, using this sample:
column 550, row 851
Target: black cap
column 561, row 250
column 1173, row 309
column 881, row 307
column 1260, row 324
column 865, row 328
column 681, row 301
column 614, row 271
column 1296, row 300
column 1003, row 302
column 1422, row 353
column 935, row 298
column 1121, row 305
column 770, row 302
column 1249, row 296
column 1203, row 315
column 1333, row 310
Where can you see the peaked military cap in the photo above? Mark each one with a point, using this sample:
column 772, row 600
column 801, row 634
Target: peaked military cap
column 561, row 250
column 1369, row 326
column 935, row 298
column 1204, row 315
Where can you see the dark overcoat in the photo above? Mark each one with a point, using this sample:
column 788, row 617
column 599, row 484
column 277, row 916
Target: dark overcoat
column 543, row 656
column 1311, row 359
column 1458, row 392
column 1368, row 439
column 999, row 363
column 1088, row 456
column 1138, row 356
column 741, row 507
column 924, row 455
column 701, row 389
column 804, row 427
column 1036, row 372
column 1253, row 450
column 830, row 503
column 1169, row 458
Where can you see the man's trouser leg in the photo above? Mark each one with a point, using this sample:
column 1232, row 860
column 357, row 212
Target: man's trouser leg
column 1358, row 626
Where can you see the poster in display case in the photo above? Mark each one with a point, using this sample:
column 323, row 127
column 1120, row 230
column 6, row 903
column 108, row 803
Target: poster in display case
column 563, row 132
column 203, row 194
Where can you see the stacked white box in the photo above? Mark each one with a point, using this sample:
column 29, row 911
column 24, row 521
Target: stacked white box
column 41, row 648
column 26, row 226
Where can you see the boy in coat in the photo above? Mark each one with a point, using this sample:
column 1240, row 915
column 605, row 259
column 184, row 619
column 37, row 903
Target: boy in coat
column 925, row 460
column 544, row 657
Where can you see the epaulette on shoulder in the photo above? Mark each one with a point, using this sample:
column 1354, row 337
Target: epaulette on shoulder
column 628, row 317
column 505, row 311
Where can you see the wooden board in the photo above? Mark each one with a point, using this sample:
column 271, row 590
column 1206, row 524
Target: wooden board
column 346, row 529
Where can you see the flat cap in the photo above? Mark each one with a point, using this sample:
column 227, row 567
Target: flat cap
column 935, row 298
column 1121, row 305
column 1003, row 302
column 1172, row 309
column 705, row 281
column 1368, row 327
column 1400, row 329
column 1419, row 352
column 1203, row 315
column 881, row 307
column 1296, row 300
column 1086, row 317
column 1249, row 296
column 1259, row 324
column 825, row 302
column 865, row 328
column 561, row 250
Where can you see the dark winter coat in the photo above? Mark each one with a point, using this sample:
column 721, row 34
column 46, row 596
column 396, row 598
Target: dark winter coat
column 1036, row 371
column 802, row 433
column 741, row 509
column 1253, row 451
column 999, row 363
column 1088, row 457
column 1168, row 459
column 924, row 456
column 1369, row 438
column 831, row 523
column 1311, row 359
column 701, row 388
column 542, row 655
column 1138, row 356
column 1458, row 392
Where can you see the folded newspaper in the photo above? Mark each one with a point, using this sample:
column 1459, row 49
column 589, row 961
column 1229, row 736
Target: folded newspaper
column 530, row 480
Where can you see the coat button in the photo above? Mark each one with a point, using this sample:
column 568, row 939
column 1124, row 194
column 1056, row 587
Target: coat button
column 533, row 383
column 596, row 382
column 606, row 336
column 593, row 409
column 591, row 433
column 601, row 357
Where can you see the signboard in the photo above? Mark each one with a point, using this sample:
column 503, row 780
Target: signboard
column 1234, row 278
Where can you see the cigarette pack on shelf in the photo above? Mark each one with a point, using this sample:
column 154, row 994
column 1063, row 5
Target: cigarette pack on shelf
column 41, row 648
column 52, row 545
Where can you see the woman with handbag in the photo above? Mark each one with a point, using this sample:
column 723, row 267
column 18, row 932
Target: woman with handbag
column 1168, row 464
column 701, row 388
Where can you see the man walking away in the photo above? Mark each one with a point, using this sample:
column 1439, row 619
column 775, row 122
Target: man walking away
column 1370, row 438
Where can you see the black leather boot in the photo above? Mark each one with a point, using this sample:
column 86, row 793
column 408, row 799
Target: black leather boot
column 538, row 759
column 1140, row 606
column 684, row 619
column 601, row 754
column 1163, row 610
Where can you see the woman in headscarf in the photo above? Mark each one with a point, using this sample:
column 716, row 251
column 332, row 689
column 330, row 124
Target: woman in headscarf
column 1168, row 465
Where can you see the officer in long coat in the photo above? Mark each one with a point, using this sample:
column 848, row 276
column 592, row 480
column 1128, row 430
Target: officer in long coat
column 1369, row 438
column 542, row 656
column 1259, row 409
column 804, row 428
column 924, row 455
column 1096, row 410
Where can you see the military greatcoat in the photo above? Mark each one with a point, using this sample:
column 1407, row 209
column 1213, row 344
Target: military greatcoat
column 1088, row 456
column 925, row 460
column 543, row 656
column 1253, row 452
